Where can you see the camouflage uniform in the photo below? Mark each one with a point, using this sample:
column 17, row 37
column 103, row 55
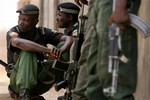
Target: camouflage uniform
column 97, row 60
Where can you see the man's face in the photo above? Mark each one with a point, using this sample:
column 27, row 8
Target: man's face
column 62, row 19
column 26, row 23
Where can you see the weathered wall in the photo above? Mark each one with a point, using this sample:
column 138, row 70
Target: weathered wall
column 143, row 87
column 49, row 13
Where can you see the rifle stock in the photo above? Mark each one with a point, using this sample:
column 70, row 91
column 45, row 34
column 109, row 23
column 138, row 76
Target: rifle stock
column 71, row 71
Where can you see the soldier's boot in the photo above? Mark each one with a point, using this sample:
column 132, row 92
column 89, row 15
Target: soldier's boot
column 12, row 93
column 24, row 94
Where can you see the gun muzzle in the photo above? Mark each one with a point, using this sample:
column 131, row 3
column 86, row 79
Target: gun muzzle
column 3, row 63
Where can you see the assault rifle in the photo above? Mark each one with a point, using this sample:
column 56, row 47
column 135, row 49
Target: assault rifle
column 70, row 68
column 115, row 48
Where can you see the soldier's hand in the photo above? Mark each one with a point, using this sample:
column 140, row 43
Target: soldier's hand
column 55, row 53
column 120, row 15
column 81, row 1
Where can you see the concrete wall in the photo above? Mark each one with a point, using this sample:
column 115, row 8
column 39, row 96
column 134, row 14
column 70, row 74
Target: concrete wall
column 49, row 13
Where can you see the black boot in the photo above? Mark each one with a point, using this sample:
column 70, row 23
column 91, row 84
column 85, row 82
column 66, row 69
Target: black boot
column 24, row 94
column 12, row 93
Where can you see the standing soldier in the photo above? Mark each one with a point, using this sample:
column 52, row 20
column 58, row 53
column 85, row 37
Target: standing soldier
column 97, row 77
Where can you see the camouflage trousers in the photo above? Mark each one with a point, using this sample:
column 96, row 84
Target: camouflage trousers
column 30, row 74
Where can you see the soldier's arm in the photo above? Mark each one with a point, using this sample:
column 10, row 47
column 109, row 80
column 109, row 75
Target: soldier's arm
column 68, row 42
column 27, row 45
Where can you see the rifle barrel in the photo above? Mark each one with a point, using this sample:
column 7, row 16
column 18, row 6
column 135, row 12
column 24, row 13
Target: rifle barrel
column 3, row 63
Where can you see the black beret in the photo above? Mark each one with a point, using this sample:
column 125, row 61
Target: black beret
column 69, row 8
column 29, row 9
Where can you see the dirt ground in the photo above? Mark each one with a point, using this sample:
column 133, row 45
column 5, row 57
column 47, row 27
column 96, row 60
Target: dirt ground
column 4, row 80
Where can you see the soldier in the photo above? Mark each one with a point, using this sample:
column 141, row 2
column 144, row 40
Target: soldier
column 26, row 45
column 95, row 78
column 67, row 17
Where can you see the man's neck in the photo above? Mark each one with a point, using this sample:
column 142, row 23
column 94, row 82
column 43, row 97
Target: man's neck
column 70, row 27
column 29, row 35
